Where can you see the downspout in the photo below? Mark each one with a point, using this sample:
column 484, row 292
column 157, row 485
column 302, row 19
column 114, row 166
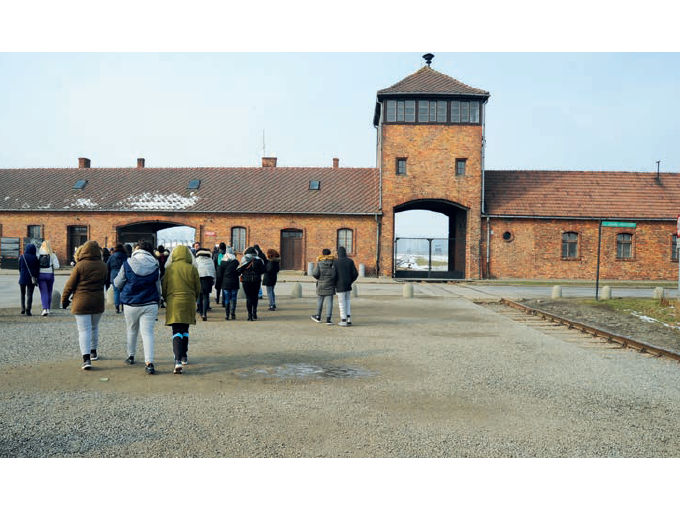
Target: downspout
column 488, row 249
column 483, row 203
column 378, row 164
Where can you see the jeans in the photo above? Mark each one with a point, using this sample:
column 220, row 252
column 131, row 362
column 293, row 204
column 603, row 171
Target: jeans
column 88, row 331
column 45, row 284
column 141, row 319
column 319, row 305
column 203, row 303
column 28, row 300
column 229, row 295
column 116, row 295
column 343, row 302
column 271, row 295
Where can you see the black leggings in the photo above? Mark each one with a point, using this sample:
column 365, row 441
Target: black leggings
column 180, row 340
column 27, row 289
column 203, row 303
column 251, row 290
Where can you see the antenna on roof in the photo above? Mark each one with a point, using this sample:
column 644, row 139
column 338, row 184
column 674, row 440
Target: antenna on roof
column 263, row 153
column 658, row 177
column 428, row 58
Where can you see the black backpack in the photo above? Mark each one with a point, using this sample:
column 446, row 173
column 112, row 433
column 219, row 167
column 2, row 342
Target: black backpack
column 44, row 261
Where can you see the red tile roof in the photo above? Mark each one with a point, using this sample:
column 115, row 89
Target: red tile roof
column 582, row 194
column 234, row 190
column 428, row 81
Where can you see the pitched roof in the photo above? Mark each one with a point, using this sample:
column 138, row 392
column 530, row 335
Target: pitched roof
column 428, row 81
column 233, row 190
column 582, row 194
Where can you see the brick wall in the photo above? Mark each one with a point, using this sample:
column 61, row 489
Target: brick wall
column 535, row 250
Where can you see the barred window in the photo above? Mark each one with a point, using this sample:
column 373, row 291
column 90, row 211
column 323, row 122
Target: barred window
column 569, row 245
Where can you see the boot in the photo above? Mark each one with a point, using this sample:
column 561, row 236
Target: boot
column 227, row 306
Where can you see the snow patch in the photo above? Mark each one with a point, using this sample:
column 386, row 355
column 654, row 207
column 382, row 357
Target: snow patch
column 151, row 201
column 84, row 202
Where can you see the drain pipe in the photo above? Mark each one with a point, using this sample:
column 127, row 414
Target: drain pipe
column 488, row 249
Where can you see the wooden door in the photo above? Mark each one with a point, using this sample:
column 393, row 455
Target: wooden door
column 291, row 250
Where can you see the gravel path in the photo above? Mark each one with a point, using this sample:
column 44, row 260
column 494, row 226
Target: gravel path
column 426, row 377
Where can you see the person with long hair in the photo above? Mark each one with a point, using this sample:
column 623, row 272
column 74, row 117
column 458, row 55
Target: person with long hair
column 86, row 285
column 48, row 262
column 227, row 281
column 181, row 287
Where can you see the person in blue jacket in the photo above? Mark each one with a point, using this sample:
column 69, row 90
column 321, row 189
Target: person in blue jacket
column 114, row 264
column 29, row 268
column 139, row 283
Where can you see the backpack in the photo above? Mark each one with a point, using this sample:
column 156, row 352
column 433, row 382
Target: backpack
column 44, row 261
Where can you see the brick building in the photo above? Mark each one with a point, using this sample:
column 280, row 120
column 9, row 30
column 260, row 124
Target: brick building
column 430, row 143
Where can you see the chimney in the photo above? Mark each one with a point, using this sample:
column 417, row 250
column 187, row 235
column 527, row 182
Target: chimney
column 268, row 162
column 83, row 163
column 336, row 162
column 140, row 162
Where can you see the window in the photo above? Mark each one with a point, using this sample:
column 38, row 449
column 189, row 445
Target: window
column 194, row 184
column 455, row 111
column 401, row 166
column 460, row 166
column 508, row 236
column 474, row 112
column 433, row 111
column 400, row 111
column 34, row 232
column 569, row 245
column 80, row 184
column 345, row 239
column 441, row 111
column 423, row 111
column 315, row 185
column 410, row 111
column 464, row 112
column 391, row 111
column 674, row 248
column 238, row 238
column 624, row 246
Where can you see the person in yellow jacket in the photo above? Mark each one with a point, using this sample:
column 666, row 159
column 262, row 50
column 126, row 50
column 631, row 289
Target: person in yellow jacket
column 181, row 287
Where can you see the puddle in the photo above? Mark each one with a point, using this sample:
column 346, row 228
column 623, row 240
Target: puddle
column 306, row 371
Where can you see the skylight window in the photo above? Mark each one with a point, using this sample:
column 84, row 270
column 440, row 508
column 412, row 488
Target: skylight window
column 316, row 185
column 80, row 184
column 194, row 184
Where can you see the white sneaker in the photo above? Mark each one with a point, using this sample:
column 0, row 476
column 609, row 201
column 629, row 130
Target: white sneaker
column 44, row 312
column 178, row 367
column 342, row 323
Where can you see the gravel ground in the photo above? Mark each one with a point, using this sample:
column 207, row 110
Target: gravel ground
column 425, row 377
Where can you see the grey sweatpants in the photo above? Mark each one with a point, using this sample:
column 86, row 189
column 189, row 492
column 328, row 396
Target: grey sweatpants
column 141, row 319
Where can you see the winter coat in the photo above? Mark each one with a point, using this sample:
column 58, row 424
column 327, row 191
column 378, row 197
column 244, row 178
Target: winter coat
column 181, row 287
column 326, row 275
column 347, row 271
column 139, row 280
column 206, row 270
column 52, row 259
column 162, row 258
column 114, row 264
column 227, row 278
column 251, row 268
column 87, row 280
column 28, row 265
column 271, row 272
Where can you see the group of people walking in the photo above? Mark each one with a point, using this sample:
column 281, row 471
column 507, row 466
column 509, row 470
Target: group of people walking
column 181, row 281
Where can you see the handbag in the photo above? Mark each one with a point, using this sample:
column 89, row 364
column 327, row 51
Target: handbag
column 34, row 280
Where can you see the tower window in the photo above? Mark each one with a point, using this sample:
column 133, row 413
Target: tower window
column 441, row 111
column 400, row 111
column 433, row 111
column 455, row 111
column 474, row 112
column 423, row 111
column 460, row 166
column 464, row 112
column 391, row 111
column 401, row 166
column 409, row 111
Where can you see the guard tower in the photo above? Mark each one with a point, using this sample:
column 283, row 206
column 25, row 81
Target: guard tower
column 430, row 130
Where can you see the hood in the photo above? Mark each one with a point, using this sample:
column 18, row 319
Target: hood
column 181, row 253
column 342, row 252
column 90, row 250
column 247, row 258
column 143, row 263
column 229, row 256
column 325, row 257
column 30, row 249
column 203, row 252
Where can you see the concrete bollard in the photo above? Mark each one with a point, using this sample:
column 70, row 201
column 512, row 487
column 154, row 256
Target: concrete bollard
column 355, row 290
column 310, row 268
column 56, row 300
column 557, row 292
column 408, row 291
column 606, row 292
column 362, row 270
column 659, row 293
column 296, row 291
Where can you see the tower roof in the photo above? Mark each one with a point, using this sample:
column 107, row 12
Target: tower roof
column 428, row 81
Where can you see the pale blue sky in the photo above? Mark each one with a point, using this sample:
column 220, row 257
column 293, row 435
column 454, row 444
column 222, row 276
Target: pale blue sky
column 577, row 111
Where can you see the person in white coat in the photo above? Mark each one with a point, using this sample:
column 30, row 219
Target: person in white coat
column 206, row 272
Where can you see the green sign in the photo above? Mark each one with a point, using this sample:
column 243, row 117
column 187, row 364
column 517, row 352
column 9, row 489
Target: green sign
column 624, row 224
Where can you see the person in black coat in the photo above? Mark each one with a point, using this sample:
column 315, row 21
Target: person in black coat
column 114, row 264
column 347, row 275
column 29, row 268
column 251, row 270
column 271, row 272
column 227, row 282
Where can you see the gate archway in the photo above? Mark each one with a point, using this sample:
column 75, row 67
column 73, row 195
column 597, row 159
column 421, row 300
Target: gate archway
column 145, row 230
column 432, row 256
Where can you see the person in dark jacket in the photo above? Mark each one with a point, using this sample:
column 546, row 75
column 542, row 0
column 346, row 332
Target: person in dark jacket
column 105, row 255
column 250, row 270
column 227, row 282
column 86, row 285
column 218, row 253
column 114, row 264
column 347, row 275
column 29, row 268
column 140, row 290
column 325, row 273
column 271, row 272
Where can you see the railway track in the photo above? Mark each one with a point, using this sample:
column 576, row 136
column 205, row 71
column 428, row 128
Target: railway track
column 569, row 330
